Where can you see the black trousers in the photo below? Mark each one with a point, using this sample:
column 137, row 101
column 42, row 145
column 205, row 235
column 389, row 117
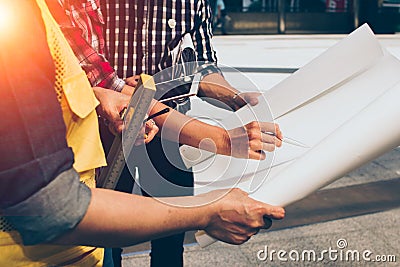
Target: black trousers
column 162, row 174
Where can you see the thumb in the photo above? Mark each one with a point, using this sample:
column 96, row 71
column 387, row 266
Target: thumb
column 273, row 212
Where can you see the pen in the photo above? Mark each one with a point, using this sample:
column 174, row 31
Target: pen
column 163, row 111
column 288, row 140
column 273, row 134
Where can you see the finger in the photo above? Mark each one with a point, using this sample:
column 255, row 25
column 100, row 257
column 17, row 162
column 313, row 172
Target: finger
column 149, row 124
column 112, row 129
column 271, row 139
column 257, row 145
column 151, row 134
column 140, row 139
column 278, row 132
column 273, row 212
column 258, row 155
column 118, row 126
column 114, row 122
column 267, row 127
column 239, row 239
column 132, row 81
column 154, row 130
column 268, row 138
column 254, row 126
column 252, row 98
column 268, row 147
column 250, row 232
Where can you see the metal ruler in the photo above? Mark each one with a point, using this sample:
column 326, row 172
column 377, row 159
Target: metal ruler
column 133, row 122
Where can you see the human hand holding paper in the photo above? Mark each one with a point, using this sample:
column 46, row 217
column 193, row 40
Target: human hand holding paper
column 216, row 90
column 241, row 99
column 251, row 140
column 239, row 217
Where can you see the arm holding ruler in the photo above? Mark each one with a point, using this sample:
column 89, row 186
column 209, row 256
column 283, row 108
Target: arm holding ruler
column 133, row 120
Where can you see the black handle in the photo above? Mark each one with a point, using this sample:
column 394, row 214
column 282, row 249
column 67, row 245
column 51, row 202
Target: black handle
column 267, row 222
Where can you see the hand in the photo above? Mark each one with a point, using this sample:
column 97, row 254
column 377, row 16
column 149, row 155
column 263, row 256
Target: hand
column 132, row 81
column 111, row 105
column 150, row 131
column 241, row 99
column 251, row 140
column 238, row 217
column 147, row 133
column 128, row 90
column 220, row 93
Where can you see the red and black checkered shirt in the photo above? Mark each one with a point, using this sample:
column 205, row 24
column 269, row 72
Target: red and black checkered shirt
column 85, row 36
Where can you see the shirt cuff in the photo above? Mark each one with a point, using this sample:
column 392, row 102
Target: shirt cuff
column 208, row 68
column 52, row 211
column 117, row 84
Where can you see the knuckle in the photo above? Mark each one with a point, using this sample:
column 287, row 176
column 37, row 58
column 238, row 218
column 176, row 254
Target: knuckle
column 236, row 190
column 254, row 124
column 240, row 239
column 254, row 134
column 254, row 224
column 250, row 234
column 255, row 144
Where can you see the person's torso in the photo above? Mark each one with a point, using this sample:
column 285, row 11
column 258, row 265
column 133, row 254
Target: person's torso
column 78, row 105
column 138, row 33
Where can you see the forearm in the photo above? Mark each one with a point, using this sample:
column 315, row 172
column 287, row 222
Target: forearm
column 186, row 130
column 128, row 90
column 116, row 219
column 218, row 91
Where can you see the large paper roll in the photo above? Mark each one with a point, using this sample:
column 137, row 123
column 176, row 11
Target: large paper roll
column 347, row 118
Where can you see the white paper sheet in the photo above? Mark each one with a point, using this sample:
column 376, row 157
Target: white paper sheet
column 311, row 106
column 343, row 105
column 338, row 153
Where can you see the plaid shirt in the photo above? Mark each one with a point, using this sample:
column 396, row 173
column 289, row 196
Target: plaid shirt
column 85, row 36
column 139, row 33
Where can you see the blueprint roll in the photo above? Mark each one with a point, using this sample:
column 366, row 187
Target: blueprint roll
column 367, row 135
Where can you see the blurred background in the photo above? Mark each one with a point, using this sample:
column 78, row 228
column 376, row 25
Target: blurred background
column 307, row 16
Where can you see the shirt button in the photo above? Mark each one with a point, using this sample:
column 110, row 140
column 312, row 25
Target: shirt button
column 171, row 23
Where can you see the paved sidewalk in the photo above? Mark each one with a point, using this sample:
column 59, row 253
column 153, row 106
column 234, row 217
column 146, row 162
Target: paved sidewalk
column 378, row 232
